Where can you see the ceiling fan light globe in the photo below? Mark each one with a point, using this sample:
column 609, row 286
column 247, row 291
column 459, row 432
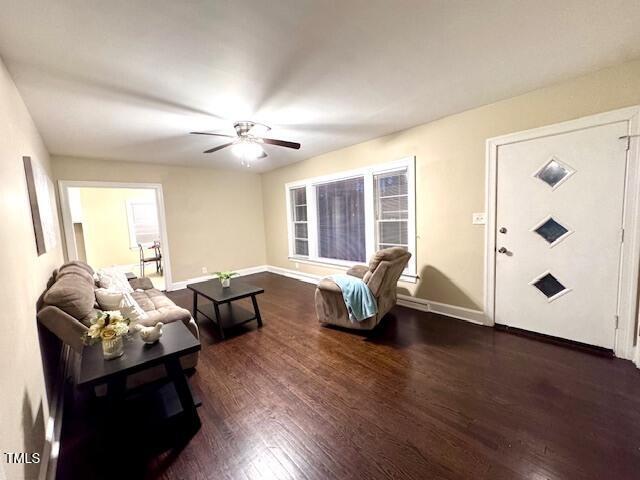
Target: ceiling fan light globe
column 247, row 150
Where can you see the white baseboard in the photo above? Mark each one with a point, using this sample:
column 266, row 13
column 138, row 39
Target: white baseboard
column 241, row 272
column 302, row 276
column 461, row 313
column 468, row 314
column 413, row 302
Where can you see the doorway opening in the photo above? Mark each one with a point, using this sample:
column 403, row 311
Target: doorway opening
column 115, row 226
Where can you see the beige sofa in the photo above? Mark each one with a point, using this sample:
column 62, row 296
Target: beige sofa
column 381, row 276
column 69, row 305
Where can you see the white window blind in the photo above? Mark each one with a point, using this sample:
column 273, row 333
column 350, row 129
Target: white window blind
column 391, row 198
column 341, row 220
column 299, row 220
column 143, row 223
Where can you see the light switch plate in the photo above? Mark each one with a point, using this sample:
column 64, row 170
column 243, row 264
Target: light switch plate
column 479, row 218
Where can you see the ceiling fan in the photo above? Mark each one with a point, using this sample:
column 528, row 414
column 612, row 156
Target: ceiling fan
column 246, row 145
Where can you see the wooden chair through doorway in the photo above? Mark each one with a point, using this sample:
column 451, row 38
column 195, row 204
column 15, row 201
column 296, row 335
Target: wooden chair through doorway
column 155, row 258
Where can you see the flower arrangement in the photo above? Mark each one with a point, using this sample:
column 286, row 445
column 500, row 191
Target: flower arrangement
column 109, row 328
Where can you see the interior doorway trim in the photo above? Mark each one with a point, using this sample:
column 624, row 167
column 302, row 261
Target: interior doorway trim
column 626, row 333
column 64, row 185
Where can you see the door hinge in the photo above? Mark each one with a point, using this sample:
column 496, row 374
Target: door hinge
column 622, row 235
column 628, row 140
column 617, row 318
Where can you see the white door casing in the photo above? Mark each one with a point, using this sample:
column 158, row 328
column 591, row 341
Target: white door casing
column 624, row 338
column 575, row 257
column 67, row 224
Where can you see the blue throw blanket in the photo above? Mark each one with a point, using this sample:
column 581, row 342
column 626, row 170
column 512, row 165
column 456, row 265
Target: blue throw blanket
column 360, row 302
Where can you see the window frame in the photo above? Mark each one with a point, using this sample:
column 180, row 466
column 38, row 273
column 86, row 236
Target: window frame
column 294, row 221
column 377, row 209
column 133, row 241
column 368, row 173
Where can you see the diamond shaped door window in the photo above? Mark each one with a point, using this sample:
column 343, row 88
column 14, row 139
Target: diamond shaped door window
column 554, row 172
column 549, row 286
column 552, row 231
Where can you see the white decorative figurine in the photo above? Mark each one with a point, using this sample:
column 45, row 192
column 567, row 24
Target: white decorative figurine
column 150, row 334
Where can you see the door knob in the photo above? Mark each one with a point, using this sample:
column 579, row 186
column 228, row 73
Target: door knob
column 502, row 250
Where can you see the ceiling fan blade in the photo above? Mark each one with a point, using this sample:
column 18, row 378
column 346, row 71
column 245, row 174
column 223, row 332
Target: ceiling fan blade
column 214, row 134
column 281, row 143
column 219, row 147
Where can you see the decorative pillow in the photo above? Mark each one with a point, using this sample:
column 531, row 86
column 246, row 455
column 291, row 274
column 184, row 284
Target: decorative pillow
column 72, row 269
column 113, row 279
column 80, row 264
column 72, row 295
column 109, row 299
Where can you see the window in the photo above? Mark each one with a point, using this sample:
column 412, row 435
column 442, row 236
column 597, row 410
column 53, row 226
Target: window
column 391, row 195
column 343, row 219
column 554, row 172
column 340, row 220
column 143, row 223
column 299, row 220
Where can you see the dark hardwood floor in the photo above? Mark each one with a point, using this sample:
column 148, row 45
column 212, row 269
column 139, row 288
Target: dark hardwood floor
column 423, row 397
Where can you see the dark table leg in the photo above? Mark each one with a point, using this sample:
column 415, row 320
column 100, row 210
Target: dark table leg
column 116, row 389
column 256, row 309
column 195, row 305
column 218, row 320
column 111, row 418
column 174, row 369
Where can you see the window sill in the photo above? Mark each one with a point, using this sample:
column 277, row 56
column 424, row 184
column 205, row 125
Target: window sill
column 345, row 265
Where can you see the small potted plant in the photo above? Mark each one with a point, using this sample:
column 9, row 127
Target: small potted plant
column 225, row 278
column 109, row 328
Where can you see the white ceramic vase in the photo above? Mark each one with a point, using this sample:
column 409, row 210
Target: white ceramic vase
column 226, row 282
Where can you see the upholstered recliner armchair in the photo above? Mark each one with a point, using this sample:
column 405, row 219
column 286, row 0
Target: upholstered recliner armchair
column 381, row 276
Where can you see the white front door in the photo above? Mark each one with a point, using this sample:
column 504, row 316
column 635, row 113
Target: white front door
column 559, row 232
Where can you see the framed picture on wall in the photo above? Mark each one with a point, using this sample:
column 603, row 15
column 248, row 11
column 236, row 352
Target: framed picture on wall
column 43, row 214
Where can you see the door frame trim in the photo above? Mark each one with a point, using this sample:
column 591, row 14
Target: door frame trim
column 626, row 333
column 65, row 209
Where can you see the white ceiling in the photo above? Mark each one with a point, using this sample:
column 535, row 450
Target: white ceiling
column 128, row 79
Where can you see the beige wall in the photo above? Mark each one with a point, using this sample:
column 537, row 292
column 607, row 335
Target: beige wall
column 210, row 225
column 450, row 177
column 24, row 406
column 106, row 227
column 214, row 217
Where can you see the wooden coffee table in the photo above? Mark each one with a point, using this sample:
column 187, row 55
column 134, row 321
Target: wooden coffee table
column 226, row 314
